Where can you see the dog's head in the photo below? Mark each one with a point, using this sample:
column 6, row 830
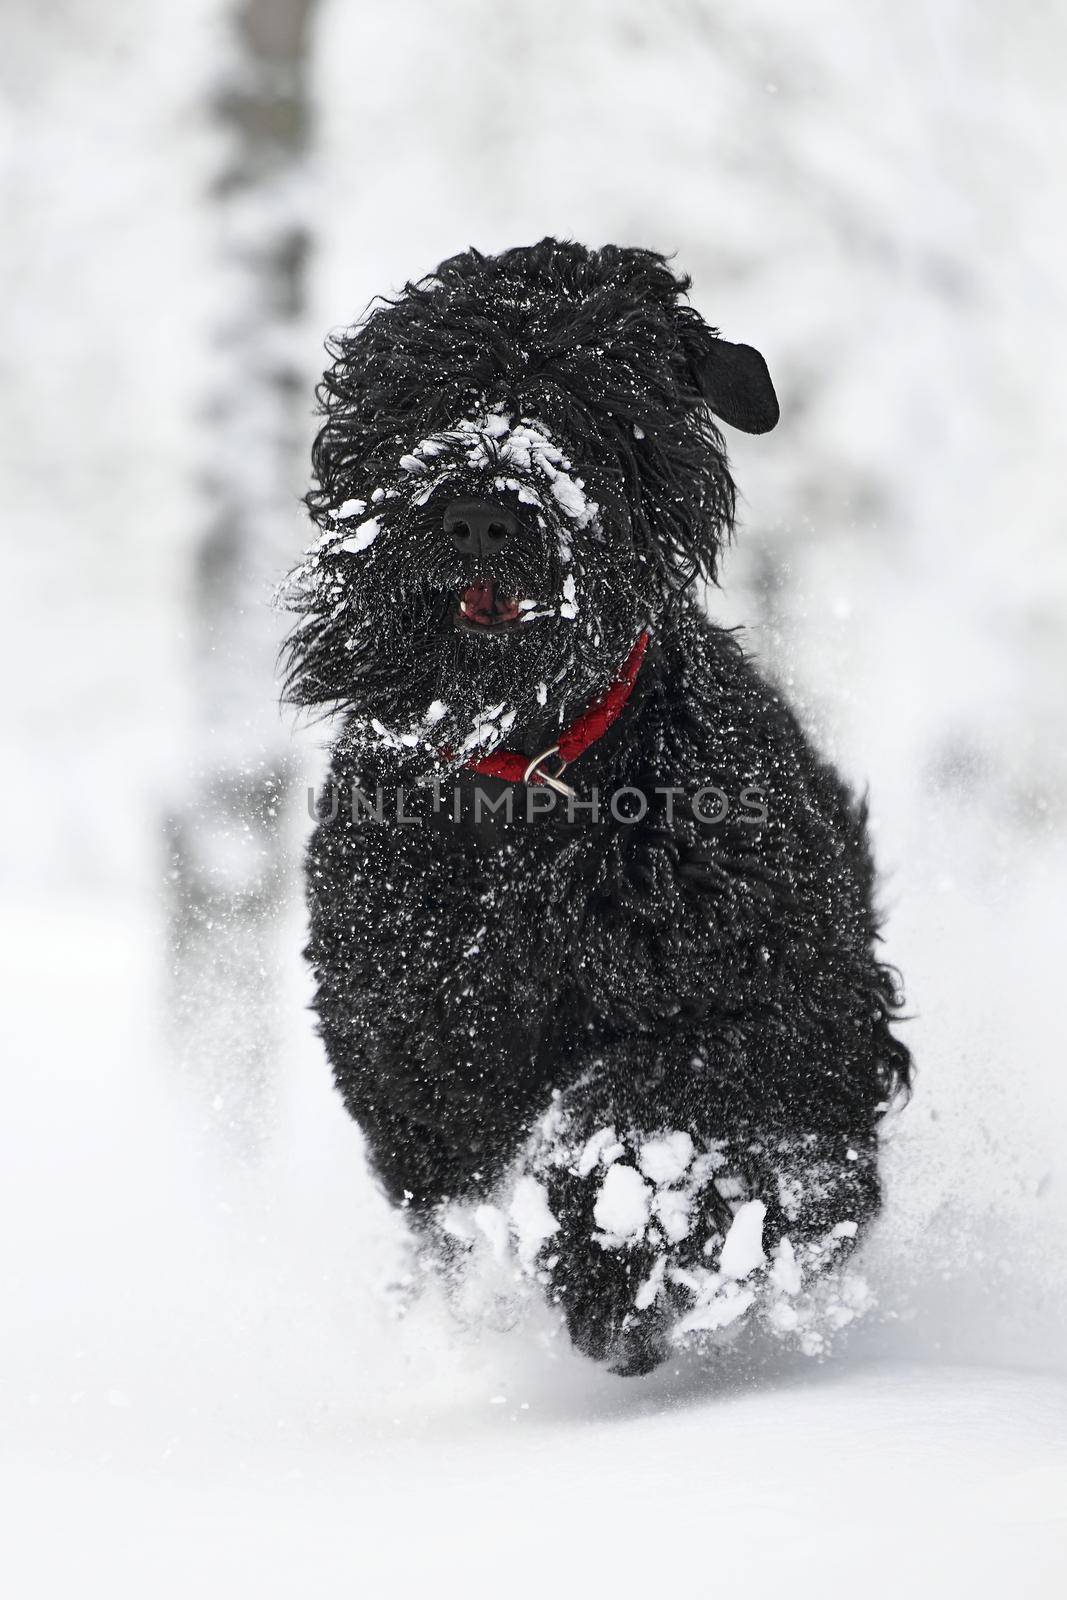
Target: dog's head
column 518, row 470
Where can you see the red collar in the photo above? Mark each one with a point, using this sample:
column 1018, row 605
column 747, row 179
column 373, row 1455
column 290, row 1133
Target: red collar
column 514, row 767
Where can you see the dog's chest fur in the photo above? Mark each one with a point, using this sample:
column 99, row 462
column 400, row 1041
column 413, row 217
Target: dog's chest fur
column 565, row 920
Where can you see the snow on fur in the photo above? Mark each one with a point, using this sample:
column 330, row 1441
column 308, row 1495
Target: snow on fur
column 494, row 442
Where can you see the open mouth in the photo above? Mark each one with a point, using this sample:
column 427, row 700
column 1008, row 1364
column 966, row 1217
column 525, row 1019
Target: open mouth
column 482, row 606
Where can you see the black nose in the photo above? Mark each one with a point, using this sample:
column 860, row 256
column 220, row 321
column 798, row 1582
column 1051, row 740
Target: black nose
column 478, row 528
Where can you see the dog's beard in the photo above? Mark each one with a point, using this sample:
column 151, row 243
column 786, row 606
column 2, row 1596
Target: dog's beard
column 461, row 695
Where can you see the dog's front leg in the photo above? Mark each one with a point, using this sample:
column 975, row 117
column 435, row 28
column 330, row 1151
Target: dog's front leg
column 646, row 1225
column 425, row 1007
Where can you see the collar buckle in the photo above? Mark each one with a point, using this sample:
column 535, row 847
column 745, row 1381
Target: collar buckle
column 552, row 779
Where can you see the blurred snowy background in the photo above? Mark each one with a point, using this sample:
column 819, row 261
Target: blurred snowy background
column 203, row 1379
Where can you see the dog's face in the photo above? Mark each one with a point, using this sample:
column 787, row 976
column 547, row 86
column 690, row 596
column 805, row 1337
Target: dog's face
column 517, row 471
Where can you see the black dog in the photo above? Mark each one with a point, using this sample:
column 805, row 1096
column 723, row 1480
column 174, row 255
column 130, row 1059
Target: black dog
column 591, row 922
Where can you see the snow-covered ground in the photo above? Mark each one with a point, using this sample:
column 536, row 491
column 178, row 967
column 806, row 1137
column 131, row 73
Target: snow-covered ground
column 211, row 1376
column 207, row 1385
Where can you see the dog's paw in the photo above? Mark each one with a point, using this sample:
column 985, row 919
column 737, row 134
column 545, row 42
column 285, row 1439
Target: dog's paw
column 653, row 1238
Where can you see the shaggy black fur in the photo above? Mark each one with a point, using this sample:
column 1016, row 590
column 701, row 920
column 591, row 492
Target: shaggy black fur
column 618, row 1034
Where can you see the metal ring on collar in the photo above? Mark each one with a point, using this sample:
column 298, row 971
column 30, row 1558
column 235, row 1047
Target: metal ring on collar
column 551, row 778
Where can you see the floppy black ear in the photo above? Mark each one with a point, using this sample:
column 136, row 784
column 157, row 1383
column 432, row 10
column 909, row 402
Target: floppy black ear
column 736, row 385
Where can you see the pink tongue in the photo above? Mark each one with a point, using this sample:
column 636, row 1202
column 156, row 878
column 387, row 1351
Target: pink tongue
column 478, row 600
column 482, row 603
